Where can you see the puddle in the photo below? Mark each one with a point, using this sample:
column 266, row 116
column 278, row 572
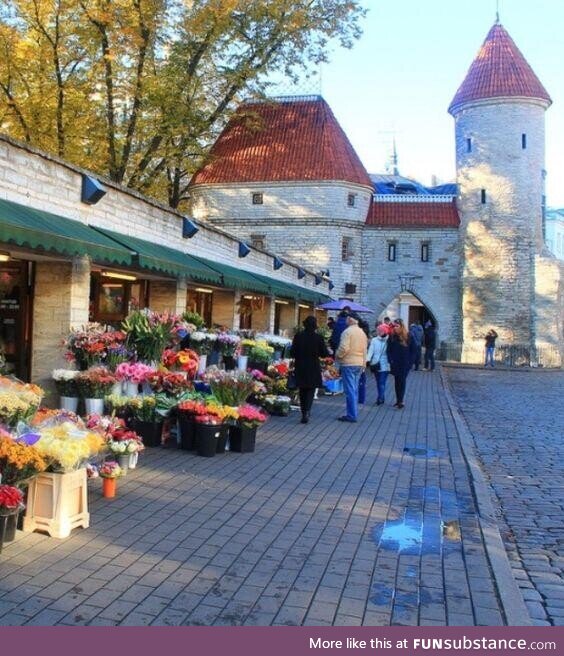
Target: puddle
column 421, row 451
column 402, row 535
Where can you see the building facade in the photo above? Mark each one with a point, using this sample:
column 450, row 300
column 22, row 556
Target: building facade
column 469, row 256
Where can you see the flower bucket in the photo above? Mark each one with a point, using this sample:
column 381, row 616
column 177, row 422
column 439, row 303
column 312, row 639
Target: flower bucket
column 123, row 462
column 242, row 362
column 242, row 439
column 133, row 459
column 229, row 362
column 208, row 437
column 109, row 487
column 69, row 403
column 202, row 363
column 212, row 358
column 8, row 524
column 150, row 432
column 117, row 389
column 131, row 389
column 94, row 406
column 222, row 440
column 187, row 430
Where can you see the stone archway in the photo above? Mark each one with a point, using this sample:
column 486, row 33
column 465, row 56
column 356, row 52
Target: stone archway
column 406, row 305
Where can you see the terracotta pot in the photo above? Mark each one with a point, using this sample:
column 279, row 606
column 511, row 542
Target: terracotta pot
column 109, row 487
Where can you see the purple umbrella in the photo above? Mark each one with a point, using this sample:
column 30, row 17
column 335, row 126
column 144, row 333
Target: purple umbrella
column 343, row 303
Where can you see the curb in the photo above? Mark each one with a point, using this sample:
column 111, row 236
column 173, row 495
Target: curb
column 524, row 370
column 514, row 608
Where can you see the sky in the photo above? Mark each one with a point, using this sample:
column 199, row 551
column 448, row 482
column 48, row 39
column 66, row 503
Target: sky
column 400, row 77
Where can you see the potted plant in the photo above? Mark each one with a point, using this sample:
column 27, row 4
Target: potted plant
column 146, row 420
column 93, row 385
column 202, row 343
column 65, row 382
column 277, row 405
column 260, row 355
column 133, row 374
column 11, row 504
column 227, row 344
column 109, row 472
column 210, row 431
column 242, row 435
column 149, row 333
column 124, row 445
column 19, row 463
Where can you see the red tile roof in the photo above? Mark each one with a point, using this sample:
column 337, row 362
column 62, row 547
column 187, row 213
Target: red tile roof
column 293, row 140
column 499, row 70
column 410, row 214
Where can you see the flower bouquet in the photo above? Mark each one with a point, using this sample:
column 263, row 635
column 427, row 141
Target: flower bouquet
column 88, row 346
column 149, row 333
column 19, row 462
column 231, row 388
column 276, row 405
column 146, row 420
column 18, row 401
column 170, row 383
column 65, row 382
column 242, row 436
column 95, row 383
column 260, row 355
column 195, row 319
column 109, row 471
column 202, row 342
column 66, row 446
column 185, row 360
column 11, row 504
column 228, row 344
column 276, row 342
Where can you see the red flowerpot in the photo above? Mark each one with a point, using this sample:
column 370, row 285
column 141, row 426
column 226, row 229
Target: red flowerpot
column 109, row 487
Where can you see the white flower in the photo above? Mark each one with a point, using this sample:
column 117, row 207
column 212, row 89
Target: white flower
column 64, row 374
column 211, row 337
column 197, row 336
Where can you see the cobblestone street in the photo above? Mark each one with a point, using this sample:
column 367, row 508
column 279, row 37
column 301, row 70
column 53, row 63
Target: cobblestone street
column 373, row 523
column 517, row 420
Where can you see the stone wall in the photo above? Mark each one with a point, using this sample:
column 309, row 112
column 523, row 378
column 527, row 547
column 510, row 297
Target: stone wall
column 501, row 235
column 60, row 303
column 436, row 282
column 549, row 315
column 168, row 296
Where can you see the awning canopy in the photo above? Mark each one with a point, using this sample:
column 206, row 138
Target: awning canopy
column 163, row 259
column 49, row 233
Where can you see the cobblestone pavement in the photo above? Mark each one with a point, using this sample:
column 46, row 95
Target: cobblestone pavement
column 371, row 523
column 517, row 420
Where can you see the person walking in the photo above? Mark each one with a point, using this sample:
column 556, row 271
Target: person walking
column 401, row 355
column 377, row 359
column 416, row 333
column 339, row 327
column 430, row 341
column 491, row 336
column 307, row 347
column 351, row 356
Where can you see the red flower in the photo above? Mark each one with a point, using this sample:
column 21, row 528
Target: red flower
column 10, row 497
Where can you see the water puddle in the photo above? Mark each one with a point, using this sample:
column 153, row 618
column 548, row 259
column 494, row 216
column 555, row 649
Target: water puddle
column 416, row 451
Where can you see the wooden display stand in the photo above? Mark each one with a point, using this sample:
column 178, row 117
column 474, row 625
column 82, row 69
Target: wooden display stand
column 57, row 503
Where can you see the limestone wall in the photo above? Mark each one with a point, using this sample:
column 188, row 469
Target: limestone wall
column 549, row 315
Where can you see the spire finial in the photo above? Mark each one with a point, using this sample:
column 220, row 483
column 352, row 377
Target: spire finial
column 497, row 12
column 395, row 158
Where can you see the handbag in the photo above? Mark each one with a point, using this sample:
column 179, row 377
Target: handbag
column 375, row 368
column 292, row 383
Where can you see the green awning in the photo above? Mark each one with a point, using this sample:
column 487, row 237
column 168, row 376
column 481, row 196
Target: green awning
column 49, row 233
column 164, row 259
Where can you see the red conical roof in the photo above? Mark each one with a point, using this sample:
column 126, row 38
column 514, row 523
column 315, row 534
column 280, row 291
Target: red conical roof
column 281, row 141
column 499, row 70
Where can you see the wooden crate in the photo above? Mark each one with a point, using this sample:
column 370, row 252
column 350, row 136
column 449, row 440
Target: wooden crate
column 57, row 503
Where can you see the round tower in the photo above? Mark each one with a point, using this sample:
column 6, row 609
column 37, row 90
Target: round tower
column 499, row 125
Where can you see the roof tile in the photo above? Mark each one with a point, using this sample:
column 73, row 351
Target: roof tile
column 413, row 215
column 499, row 70
column 296, row 140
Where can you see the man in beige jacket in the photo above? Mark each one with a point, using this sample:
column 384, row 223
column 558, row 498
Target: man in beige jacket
column 351, row 356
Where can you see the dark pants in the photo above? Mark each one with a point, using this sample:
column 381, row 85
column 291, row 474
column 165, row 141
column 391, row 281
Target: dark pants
column 417, row 362
column 362, row 388
column 430, row 358
column 306, row 398
column 381, row 378
column 399, row 383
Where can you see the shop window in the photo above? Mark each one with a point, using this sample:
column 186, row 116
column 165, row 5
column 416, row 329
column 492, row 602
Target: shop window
column 111, row 299
column 483, row 196
column 15, row 323
column 392, row 251
column 523, row 141
column 468, row 145
column 200, row 300
column 350, row 288
column 257, row 198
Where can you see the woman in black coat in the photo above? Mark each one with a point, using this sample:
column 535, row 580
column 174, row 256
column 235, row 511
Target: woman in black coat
column 401, row 352
column 308, row 346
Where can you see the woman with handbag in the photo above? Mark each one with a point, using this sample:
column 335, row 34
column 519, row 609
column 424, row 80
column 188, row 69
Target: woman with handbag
column 307, row 347
column 377, row 360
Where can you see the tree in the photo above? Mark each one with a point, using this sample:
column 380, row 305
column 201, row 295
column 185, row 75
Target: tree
column 138, row 89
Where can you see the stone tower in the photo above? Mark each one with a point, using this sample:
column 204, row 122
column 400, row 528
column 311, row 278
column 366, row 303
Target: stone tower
column 499, row 125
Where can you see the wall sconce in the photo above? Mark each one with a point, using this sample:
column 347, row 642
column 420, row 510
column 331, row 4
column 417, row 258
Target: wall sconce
column 203, row 290
column 277, row 264
column 4, row 257
column 92, row 190
column 189, row 228
column 301, row 273
column 244, row 250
